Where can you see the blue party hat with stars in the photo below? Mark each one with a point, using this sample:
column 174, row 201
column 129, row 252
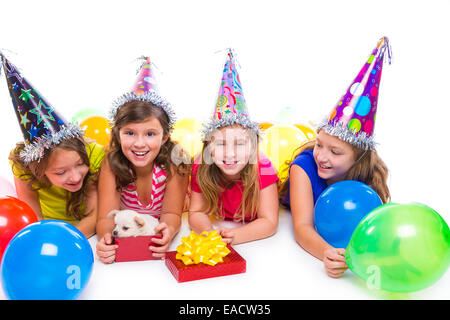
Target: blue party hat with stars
column 42, row 126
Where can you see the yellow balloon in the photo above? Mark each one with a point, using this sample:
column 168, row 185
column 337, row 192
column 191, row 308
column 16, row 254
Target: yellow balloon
column 97, row 128
column 265, row 125
column 279, row 143
column 186, row 132
column 309, row 131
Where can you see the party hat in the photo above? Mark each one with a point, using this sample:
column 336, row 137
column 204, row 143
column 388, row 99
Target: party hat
column 144, row 89
column 42, row 126
column 353, row 118
column 230, row 107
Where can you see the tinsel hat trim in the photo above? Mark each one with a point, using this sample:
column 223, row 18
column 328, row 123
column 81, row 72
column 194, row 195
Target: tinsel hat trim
column 144, row 89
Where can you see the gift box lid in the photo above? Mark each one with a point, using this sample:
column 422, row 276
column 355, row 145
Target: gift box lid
column 135, row 248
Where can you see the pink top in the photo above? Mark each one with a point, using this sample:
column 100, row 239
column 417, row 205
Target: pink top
column 232, row 197
column 129, row 198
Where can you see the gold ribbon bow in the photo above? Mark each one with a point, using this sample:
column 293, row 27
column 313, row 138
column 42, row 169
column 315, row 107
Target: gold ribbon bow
column 206, row 247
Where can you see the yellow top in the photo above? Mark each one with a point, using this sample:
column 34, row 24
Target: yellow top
column 53, row 200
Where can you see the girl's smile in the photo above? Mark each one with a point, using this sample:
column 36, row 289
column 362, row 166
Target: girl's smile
column 66, row 169
column 231, row 150
column 333, row 157
column 142, row 141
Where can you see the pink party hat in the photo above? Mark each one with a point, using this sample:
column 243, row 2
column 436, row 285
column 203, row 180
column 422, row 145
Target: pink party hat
column 353, row 118
column 144, row 89
column 231, row 107
column 145, row 81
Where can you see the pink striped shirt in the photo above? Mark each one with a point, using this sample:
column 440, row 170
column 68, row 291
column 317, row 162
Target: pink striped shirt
column 129, row 198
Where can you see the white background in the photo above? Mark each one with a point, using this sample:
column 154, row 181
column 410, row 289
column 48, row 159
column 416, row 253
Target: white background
column 300, row 55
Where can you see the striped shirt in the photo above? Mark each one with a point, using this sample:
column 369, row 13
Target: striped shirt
column 129, row 198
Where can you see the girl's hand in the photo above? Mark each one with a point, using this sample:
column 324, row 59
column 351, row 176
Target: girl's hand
column 106, row 251
column 334, row 262
column 164, row 242
column 227, row 235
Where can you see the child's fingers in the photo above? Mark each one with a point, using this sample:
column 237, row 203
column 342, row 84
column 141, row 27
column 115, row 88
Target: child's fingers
column 160, row 227
column 106, row 256
column 108, row 239
column 159, row 252
column 335, row 254
column 160, row 241
column 336, row 273
column 333, row 264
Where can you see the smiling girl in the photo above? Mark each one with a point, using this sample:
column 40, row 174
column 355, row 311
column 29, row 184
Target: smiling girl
column 55, row 169
column 231, row 180
column 138, row 172
column 344, row 150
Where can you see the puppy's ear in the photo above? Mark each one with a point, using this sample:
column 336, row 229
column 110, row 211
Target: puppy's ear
column 139, row 221
column 113, row 213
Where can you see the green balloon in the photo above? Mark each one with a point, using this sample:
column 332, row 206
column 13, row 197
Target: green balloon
column 85, row 113
column 400, row 248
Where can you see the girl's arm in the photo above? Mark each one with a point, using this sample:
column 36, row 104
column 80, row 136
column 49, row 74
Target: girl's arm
column 28, row 196
column 198, row 220
column 87, row 225
column 172, row 208
column 302, row 208
column 108, row 199
column 263, row 226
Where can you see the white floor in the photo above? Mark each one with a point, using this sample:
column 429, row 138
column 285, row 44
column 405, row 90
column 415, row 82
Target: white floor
column 277, row 268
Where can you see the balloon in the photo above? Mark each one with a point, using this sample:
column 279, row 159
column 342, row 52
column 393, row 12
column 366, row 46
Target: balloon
column 7, row 188
column 309, row 132
column 85, row 113
column 400, row 247
column 340, row 208
column 49, row 259
column 279, row 143
column 14, row 215
column 284, row 116
column 265, row 125
column 187, row 132
column 97, row 128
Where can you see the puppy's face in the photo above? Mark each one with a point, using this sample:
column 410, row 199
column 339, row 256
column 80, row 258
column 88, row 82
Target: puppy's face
column 128, row 224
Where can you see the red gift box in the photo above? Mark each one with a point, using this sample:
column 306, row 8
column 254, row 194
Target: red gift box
column 135, row 248
column 233, row 263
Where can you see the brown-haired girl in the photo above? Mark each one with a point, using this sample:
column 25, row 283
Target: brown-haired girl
column 344, row 150
column 63, row 184
column 139, row 172
column 55, row 169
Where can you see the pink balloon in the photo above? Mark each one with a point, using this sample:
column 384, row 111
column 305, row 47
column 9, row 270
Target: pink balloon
column 7, row 188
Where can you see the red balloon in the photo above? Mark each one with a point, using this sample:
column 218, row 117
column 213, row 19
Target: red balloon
column 14, row 216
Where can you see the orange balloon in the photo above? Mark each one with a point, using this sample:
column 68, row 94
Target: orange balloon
column 309, row 132
column 265, row 125
column 97, row 128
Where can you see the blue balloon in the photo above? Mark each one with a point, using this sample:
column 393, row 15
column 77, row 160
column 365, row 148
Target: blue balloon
column 340, row 208
column 49, row 259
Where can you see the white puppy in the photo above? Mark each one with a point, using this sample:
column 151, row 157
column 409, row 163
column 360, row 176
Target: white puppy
column 132, row 224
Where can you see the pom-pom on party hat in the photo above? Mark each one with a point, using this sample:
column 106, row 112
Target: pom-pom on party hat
column 231, row 107
column 353, row 118
column 144, row 89
column 42, row 126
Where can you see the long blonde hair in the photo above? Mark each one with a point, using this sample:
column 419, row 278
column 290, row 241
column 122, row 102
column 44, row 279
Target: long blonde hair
column 368, row 168
column 212, row 183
